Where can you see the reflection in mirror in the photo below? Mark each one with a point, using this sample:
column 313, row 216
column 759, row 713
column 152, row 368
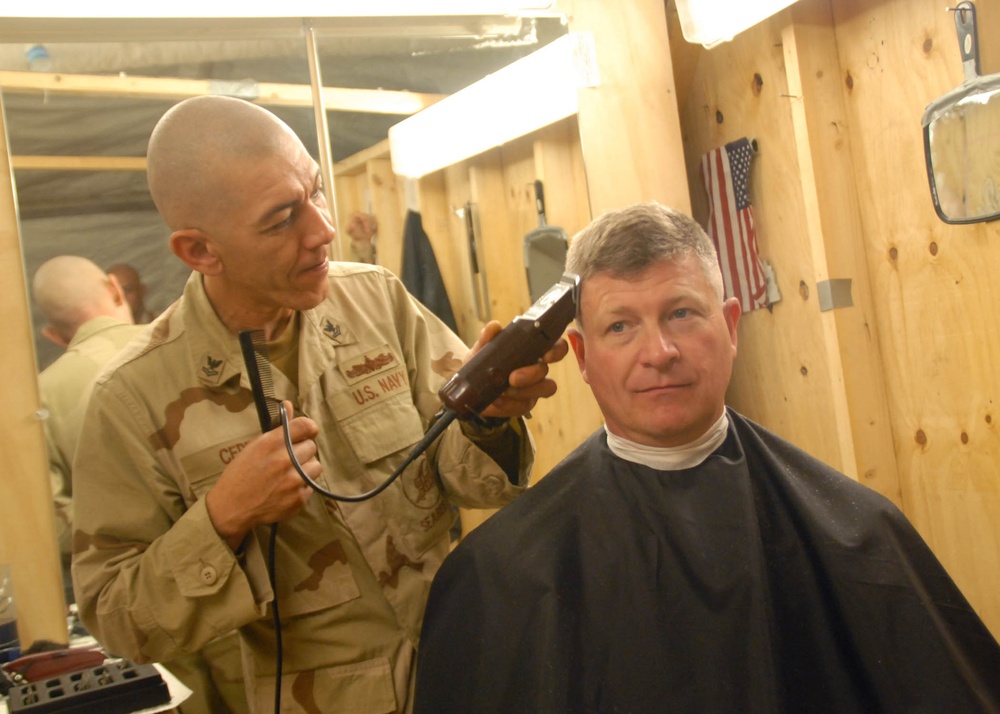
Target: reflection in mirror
column 962, row 147
column 79, row 114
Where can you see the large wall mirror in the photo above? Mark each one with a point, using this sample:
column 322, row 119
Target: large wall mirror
column 81, row 97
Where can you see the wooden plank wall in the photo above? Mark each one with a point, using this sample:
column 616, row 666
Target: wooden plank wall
column 899, row 389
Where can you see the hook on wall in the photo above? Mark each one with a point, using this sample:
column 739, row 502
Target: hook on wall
column 968, row 41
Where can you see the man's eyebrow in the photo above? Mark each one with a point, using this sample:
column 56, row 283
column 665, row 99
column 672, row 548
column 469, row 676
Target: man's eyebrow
column 266, row 218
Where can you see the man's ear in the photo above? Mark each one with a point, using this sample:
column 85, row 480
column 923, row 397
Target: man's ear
column 731, row 311
column 196, row 251
column 116, row 290
column 123, row 310
column 52, row 335
column 575, row 338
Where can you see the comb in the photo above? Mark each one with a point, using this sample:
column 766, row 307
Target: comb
column 254, row 349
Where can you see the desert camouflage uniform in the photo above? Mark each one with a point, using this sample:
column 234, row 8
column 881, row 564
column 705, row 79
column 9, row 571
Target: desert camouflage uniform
column 64, row 389
column 154, row 578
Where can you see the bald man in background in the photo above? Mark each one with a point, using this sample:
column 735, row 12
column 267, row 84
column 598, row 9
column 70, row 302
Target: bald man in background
column 87, row 312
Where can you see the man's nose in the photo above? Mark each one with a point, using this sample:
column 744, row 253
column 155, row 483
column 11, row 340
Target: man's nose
column 319, row 226
column 659, row 348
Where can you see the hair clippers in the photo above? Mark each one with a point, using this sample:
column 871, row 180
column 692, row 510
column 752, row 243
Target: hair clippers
column 521, row 343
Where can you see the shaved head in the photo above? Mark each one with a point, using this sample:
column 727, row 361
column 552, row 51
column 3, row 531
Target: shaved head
column 70, row 290
column 192, row 152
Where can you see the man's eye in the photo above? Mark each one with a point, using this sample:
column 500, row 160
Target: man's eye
column 617, row 327
column 281, row 224
column 682, row 312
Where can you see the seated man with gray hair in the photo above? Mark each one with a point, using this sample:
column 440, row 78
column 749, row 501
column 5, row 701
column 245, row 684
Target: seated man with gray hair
column 683, row 558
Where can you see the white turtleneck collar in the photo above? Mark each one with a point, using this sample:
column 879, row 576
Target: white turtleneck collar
column 671, row 458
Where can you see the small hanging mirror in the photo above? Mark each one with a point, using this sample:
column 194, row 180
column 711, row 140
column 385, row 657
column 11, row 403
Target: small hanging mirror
column 962, row 137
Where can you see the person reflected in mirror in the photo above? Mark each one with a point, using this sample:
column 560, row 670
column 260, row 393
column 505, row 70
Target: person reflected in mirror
column 683, row 558
column 87, row 312
column 135, row 291
column 181, row 493
column 362, row 228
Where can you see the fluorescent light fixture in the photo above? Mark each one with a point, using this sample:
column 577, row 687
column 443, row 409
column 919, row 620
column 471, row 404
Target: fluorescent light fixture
column 709, row 22
column 260, row 8
column 528, row 94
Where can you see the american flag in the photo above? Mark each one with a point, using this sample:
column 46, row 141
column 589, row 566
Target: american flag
column 726, row 172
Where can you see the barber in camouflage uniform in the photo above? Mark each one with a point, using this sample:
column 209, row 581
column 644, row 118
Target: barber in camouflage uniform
column 179, row 487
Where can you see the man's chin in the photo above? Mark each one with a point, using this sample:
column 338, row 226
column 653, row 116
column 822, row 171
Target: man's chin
column 310, row 298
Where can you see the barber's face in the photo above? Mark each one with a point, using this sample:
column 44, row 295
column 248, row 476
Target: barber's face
column 657, row 350
column 272, row 231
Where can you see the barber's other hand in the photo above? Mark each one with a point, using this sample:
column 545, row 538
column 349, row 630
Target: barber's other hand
column 527, row 384
column 260, row 485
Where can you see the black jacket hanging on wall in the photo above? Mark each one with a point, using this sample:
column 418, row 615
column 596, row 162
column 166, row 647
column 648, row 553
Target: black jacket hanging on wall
column 421, row 274
column 760, row 582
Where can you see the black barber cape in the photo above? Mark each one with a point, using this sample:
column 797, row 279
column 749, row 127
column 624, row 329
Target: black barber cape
column 760, row 581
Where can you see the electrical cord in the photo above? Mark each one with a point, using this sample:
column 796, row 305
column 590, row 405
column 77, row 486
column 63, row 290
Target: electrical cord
column 272, row 577
column 443, row 419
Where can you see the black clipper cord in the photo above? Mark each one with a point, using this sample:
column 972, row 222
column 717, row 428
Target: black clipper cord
column 442, row 420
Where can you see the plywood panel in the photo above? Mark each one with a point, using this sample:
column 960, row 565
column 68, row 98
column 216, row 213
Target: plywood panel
column 932, row 284
column 500, row 226
column 561, row 422
column 387, row 204
column 439, row 221
column 629, row 125
column 458, row 193
column 352, row 195
column 560, row 166
column 835, row 233
column 784, row 377
column 834, row 93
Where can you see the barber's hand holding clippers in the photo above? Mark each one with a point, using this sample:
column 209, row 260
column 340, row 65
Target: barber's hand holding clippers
column 527, row 384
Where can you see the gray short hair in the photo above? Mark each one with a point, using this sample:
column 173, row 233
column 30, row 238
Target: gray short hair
column 626, row 241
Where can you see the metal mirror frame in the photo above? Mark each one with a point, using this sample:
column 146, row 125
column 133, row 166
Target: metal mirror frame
column 974, row 85
column 960, row 95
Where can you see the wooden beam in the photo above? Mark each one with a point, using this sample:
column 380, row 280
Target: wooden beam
column 358, row 163
column 27, row 527
column 629, row 125
column 367, row 101
column 78, row 163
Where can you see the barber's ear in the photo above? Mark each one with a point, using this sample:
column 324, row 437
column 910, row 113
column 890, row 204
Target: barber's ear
column 575, row 338
column 196, row 251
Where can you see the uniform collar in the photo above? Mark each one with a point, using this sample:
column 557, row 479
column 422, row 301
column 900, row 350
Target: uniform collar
column 92, row 327
column 216, row 353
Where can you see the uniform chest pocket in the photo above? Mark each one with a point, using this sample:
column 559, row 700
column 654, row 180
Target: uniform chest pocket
column 383, row 429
